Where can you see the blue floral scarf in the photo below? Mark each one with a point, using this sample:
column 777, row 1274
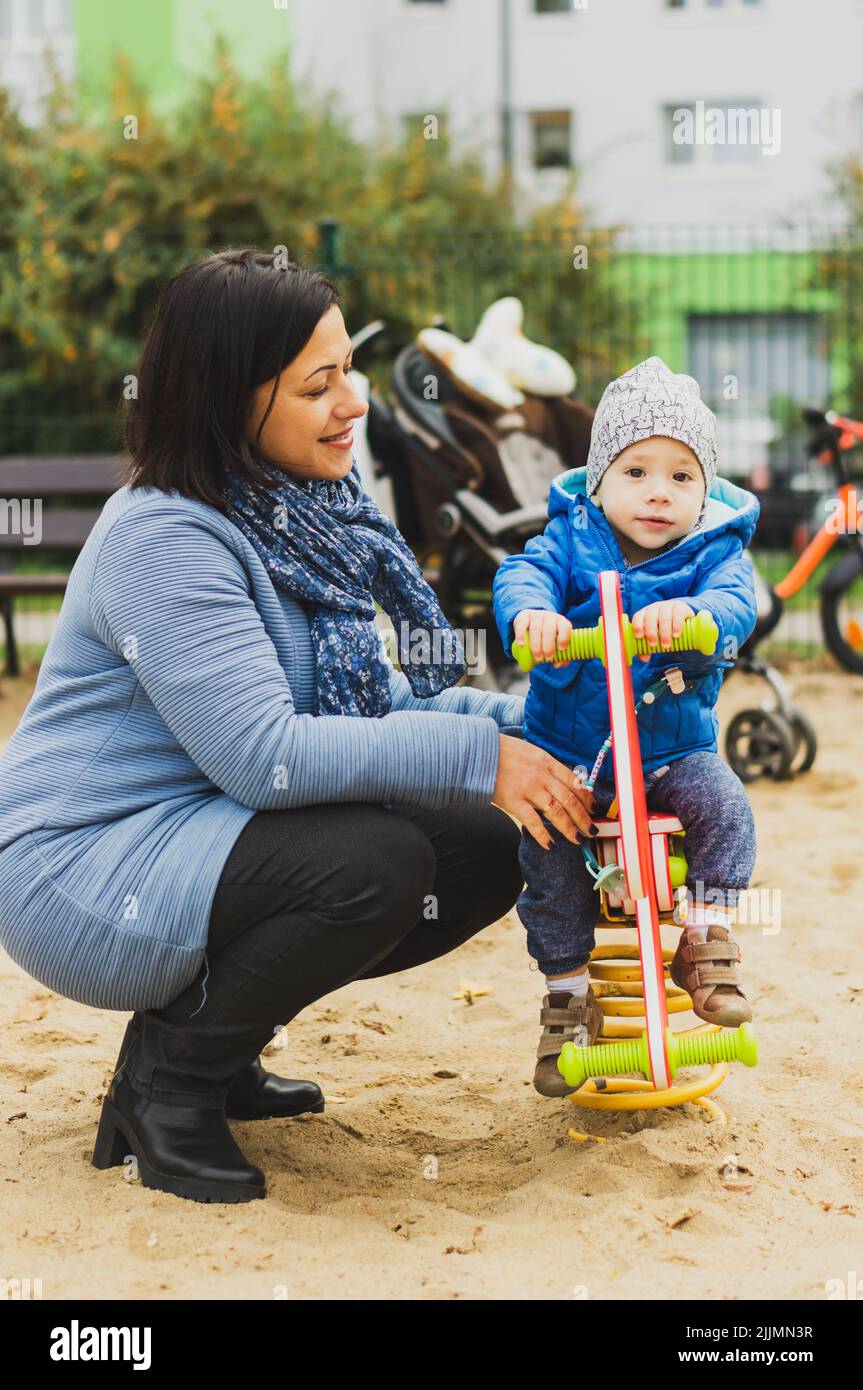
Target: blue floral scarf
column 326, row 542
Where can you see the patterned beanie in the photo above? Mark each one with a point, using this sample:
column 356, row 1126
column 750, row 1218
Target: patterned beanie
column 651, row 399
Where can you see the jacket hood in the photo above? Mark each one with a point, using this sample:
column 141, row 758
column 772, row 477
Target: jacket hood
column 729, row 507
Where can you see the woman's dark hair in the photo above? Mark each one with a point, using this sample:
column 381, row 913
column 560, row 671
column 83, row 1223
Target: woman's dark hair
column 224, row 324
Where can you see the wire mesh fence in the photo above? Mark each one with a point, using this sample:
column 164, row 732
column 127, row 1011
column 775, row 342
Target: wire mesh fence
column 767, row 318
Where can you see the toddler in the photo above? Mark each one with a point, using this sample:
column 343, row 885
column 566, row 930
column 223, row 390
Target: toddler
column 648, row 504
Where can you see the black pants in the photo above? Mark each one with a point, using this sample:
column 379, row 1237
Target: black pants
column 308, row 900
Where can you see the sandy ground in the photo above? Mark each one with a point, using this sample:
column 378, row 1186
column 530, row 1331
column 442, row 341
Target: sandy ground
column 437, row 1172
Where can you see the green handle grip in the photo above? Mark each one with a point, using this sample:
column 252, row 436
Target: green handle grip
column 576, row 1064
column 698, row 634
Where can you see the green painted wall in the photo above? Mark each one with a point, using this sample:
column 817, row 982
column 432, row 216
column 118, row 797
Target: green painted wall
column 667, row 288
column 170, row 41
column 103, row 26
column 256, row 30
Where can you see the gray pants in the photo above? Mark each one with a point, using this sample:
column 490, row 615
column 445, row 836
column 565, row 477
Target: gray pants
column 559, row 906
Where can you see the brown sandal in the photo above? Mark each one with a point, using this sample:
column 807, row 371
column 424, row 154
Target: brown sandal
column 707, row 971
column 565, row 1018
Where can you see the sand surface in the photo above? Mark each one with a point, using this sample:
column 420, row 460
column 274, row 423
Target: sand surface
column 437, row 1171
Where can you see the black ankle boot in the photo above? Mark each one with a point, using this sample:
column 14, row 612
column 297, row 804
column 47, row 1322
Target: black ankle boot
column 183, row 1149
column 255, row 1094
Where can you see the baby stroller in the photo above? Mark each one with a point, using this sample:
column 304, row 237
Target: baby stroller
column 469, row 486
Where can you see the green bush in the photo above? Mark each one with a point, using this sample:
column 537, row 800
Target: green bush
column 95, row 223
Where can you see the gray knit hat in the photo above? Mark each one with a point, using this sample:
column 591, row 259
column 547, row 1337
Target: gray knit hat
column 651, row 399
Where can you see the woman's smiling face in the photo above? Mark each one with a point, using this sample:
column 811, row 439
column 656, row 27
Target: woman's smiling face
column 315, row 400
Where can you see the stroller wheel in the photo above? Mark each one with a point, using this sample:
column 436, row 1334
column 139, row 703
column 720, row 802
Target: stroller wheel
column 760, row 743
column 805, row 738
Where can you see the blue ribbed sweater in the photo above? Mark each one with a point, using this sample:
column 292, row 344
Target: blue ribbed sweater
column 172, row 703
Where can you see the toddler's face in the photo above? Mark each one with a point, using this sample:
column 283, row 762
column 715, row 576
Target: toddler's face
column 651, row 495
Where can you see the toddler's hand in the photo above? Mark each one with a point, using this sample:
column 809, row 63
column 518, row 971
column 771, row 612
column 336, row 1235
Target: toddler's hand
column 546, row 632
column 659, row 622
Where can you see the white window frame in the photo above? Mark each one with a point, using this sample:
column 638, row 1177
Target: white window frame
column 699, row 12
column 413, row 9
column 703, row 165
column 554, row 170
column 22, row 41
column 561, row 16
column 549, row 23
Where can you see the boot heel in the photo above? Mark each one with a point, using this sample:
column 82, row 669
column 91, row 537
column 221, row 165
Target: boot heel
column 111, row 1145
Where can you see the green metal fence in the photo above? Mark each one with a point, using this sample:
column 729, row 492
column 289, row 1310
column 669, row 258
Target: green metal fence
column 780, row 309
column 774, row 308
column 768, row 319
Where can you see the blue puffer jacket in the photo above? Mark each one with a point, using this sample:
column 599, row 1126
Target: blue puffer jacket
column 566, row 710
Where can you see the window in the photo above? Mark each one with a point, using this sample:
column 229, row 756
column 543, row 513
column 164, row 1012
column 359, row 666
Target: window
column 707, row 134
column 551, row 143
column 676, row 152
column 777, row 363
column 694, row 5
column 36, row 25
column 35, row 21
column 553, row 6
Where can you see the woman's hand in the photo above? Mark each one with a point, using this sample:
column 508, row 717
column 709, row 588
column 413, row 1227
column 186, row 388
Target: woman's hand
column 547, row 631
column 530, row 780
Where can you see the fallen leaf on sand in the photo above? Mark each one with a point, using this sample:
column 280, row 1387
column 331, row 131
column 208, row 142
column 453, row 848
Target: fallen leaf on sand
column 465, row 1249
column 672, row 1222
column 33, row 1009
column 402, row 1228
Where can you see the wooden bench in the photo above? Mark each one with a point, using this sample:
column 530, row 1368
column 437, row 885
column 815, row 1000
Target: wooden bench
column 63, row 528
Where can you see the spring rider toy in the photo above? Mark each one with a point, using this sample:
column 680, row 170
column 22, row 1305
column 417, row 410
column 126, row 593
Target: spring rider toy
column 639, row 866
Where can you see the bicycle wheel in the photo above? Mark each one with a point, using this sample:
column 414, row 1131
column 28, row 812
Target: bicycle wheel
column 805, row 738
column 842, row 611
column 759, row 743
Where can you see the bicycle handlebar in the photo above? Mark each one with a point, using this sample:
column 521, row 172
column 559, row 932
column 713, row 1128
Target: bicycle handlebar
column 699, row 634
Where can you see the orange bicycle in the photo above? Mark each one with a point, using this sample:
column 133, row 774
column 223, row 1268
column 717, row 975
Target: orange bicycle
column 842, row 590
column 779, row 741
